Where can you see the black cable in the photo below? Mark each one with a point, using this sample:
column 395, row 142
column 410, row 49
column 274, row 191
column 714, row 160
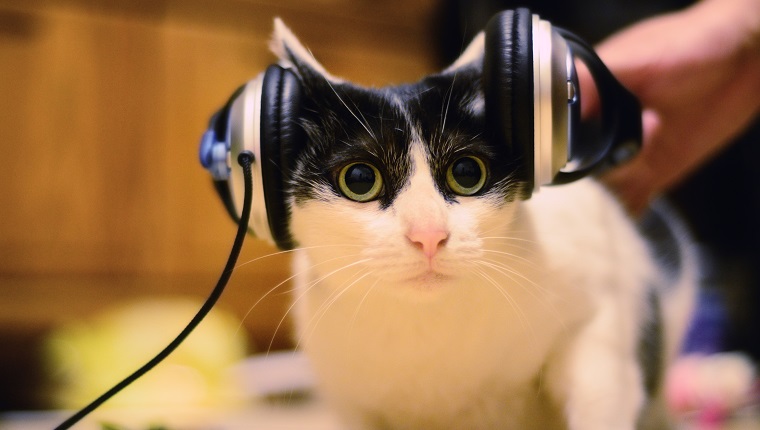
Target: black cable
column 244, row 159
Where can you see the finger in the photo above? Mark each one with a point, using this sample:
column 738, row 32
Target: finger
column 589, row 96
column 635, row 182
column 651, row 123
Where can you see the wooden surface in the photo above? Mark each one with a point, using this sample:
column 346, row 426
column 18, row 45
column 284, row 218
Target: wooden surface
column 102, row 104
column 102, row 109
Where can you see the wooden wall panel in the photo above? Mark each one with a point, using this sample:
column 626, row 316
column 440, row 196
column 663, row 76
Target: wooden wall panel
column 84, row 101
column 102, row 103
column 103, row 108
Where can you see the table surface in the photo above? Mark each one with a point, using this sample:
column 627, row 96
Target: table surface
column 267, row 380
column 301, row 415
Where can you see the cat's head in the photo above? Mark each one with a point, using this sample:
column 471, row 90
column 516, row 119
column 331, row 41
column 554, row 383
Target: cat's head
column 402, row 181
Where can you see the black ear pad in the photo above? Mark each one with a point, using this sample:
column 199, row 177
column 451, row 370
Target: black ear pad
column 281, row 139
column 508, row 86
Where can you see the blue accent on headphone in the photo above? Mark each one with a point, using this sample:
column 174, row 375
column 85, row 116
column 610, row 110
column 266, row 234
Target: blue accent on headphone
column 213, row 152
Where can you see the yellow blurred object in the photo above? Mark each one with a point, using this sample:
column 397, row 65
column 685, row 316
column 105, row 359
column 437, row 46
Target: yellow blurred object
column 88, row 357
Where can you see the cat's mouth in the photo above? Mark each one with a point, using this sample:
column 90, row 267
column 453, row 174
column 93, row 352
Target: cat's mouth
column 431, row 273
column 428, row 278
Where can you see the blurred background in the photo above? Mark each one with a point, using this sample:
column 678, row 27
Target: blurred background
column 103, row 102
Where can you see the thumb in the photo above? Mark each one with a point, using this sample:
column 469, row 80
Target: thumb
column 589, row 95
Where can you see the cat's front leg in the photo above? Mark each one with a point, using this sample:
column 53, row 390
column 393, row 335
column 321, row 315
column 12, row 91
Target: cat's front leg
column 595, row 378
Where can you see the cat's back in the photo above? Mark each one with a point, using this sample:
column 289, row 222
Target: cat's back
column 585, row 232
column 592, row 243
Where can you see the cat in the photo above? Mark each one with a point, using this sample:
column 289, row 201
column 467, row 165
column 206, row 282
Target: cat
column 431, row 294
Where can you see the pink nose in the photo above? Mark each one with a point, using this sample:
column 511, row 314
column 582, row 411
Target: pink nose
column 428, row 240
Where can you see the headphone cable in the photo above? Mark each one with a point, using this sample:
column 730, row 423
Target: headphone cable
column 244, row 159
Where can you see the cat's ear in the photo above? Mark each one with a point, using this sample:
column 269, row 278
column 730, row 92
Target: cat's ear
column 470, row 57
column 294, row 55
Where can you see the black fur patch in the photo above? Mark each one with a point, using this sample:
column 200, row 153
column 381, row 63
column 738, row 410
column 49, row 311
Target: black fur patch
column 663, row 242
column 664, row 247
column 440, row 107
column 345, row 123
column 651, row 345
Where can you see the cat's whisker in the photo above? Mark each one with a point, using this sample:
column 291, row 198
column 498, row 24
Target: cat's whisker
column 510, row 300
column 361, row 302
column 476, row 137
column 364, row 123
column 262, row 257
column 271, row 290
column 541, row 294
column 500, row 228
column 421, row 92
column 521, row 314
column 445, row 108
column 325, row 307
column 308, row 288
column 289, row 251
column 290, row 278
column 512, row 272
column 364, row 118
column 333, row 245
column 380, row 118
column 510, row 238
column 517, row 243
column 512, row 256
column 340, row 291
column 504, row 268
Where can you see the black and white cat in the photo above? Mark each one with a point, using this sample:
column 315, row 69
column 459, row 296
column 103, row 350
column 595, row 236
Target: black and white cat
column 431, row 295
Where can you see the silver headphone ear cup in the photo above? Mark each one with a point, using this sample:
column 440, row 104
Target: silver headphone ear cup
column 551, row 104
column 244, row 134
column 525, row 76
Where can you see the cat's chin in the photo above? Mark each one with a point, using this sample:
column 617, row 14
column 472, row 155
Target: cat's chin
column 429, row 278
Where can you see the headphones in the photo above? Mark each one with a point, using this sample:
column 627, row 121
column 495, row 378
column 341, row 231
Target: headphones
column 532, row 104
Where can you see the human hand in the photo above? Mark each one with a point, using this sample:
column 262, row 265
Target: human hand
column 697, row 75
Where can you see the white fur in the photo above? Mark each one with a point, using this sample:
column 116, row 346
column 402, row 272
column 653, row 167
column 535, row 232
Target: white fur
column 556, row 322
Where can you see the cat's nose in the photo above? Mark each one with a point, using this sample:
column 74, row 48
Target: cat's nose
column 428, row 240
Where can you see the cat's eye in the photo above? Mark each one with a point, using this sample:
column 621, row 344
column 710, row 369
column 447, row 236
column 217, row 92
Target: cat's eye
column 360, row 182
column 466, row 176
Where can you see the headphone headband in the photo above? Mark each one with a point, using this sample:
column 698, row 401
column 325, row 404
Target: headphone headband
column 532, row 105
column 620, row 118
